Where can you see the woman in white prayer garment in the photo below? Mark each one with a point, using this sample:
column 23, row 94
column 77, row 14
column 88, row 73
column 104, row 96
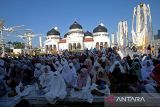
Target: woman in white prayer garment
column 45, row 79
column 147, row 69
column 53, row 85
column 37, row 71
column 82, row 88
column 73, row 73
column 69, row 74
column 76, row 64
column 58, row 66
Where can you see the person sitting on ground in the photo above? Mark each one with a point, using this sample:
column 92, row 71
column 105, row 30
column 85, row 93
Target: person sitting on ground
column 26, row 84
column 117, row 77
column 13, row 79
column 100, row 83
column 69, row 74
column 155, row 75
column 82, row 88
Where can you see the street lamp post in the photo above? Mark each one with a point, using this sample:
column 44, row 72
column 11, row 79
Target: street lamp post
column 3, row 28
column 2, row 38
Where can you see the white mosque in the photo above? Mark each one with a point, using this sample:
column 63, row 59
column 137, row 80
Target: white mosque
column 77, row 39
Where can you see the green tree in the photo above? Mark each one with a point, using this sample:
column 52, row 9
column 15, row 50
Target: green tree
column 18, row 45
column 8, row 49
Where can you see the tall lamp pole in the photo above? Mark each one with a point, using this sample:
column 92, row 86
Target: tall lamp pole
column 3, row 28
column 2, row 38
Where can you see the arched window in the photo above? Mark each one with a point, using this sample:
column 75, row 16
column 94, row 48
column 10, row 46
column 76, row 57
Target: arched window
column 78, row 46
column 105, row 44
column 101, row 45
column 46, row 47
column 74, row 45
column 50, row 47
column 70, row 46
column 54, row 47
column 97, row 45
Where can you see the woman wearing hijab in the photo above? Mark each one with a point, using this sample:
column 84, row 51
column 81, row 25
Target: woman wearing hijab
column 100, row 83
column 137, row 68
column 37, row 70
column 69, row 75
column 53, row 85
column 88, row 64
column 45, row 79
column 147, row 69
column 129, row 61
column 117, row 77
column 13, row 79
column 155, row 75
column 107, row 66
column 26, row 84
column 82, row 88
column 58, row 66
column 125, row 65
column 76, row 64
column 73, row 74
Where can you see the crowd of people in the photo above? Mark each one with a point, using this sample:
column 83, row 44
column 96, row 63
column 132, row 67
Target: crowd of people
column 84, row 74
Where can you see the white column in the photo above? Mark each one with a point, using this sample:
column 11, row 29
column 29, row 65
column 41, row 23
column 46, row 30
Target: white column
column 40, row 42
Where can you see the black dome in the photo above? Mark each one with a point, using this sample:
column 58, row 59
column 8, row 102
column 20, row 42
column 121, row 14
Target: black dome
column 65, row 35
column 88, row 33
column 53, row 32
column 100, row 28
column 75, row 25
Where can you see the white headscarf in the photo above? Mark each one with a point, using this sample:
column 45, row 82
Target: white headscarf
column 74, row 74
column 120, row 66
column 103, row 58
column 37, row 71
column 66, row 73
column 59, row 67
column 146, row 70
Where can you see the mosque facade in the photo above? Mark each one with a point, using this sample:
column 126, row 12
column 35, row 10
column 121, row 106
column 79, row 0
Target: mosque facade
column 77, row 39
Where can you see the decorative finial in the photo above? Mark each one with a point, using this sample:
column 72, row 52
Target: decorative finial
column 101, row 24
column 56, row 28
column 141, row 4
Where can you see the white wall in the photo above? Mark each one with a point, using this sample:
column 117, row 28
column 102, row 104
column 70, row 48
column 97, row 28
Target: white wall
column 63, row 46
column 88, row 45
column 102, row 37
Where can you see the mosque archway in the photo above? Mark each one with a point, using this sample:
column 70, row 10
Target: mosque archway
column 78, row 46
column 50, row 47
column 70, row 46
column 74, row 45
column 46, row 47
column 97, row 45
column 101, row 45
column 105, row 44
column 54, row 47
